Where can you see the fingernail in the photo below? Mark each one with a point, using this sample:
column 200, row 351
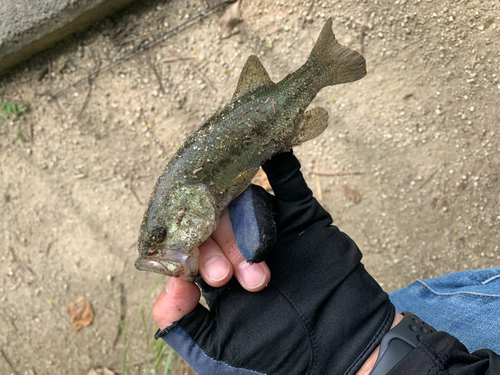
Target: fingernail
column 217, row 268
column 170, row 285
column 252, row 275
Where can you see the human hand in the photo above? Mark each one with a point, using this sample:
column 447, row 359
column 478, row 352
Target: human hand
column 219, row 260
column 321, row 312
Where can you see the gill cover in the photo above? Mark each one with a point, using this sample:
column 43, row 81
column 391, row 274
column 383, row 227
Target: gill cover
column 185, row 217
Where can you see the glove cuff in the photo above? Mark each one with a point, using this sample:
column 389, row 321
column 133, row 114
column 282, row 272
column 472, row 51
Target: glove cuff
column 385, row 326
column 179, row 340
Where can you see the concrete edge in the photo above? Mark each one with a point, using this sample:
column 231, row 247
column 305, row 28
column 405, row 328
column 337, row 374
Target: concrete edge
column 80, row 23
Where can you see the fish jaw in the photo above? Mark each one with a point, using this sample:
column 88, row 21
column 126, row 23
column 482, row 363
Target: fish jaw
column 176, row 222
column 170, row 262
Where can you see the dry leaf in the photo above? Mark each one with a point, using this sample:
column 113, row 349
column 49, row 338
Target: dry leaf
column 351, row 194
column 231, row 17
column 261, row 180
column 81, row 313
column 434, row 202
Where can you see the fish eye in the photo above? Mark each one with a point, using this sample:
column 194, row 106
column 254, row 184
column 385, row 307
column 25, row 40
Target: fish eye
column 158, row 234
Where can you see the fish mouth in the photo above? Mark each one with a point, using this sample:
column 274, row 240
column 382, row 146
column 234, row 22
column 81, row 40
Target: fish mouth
column 170, row 262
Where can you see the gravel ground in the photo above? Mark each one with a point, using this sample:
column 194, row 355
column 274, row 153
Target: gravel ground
column 421, row 130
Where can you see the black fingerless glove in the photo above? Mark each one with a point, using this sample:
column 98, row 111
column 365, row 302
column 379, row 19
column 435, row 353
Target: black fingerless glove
column 321, row 313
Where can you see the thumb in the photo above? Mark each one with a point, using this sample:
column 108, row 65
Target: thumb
column 179, row 298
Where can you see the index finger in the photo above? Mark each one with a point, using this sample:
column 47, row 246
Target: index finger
column 286, row 179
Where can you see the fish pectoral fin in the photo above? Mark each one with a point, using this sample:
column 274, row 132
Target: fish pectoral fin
column 253, row 76
column 314, row 122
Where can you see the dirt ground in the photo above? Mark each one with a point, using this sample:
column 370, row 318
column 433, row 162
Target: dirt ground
column 421, row 129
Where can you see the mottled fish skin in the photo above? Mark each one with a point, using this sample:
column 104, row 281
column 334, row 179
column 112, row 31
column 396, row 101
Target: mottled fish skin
column 217, row 162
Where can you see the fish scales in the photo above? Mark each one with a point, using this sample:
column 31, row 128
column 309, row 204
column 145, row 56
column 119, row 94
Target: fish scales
column 234, row 156
column 217, row 162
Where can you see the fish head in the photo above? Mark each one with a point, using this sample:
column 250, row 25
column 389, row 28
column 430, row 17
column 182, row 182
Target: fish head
column 174, row 225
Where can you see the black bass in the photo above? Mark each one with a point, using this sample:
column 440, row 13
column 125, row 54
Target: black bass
column 217, row 162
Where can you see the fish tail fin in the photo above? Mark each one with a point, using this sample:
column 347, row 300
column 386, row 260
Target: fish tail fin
column 337, row 63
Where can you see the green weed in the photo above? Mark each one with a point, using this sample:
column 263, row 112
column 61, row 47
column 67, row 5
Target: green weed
column 11, row 111
column 20, row 136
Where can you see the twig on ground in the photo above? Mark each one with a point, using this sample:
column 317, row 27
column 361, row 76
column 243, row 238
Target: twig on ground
column 132, row 188
column 8, row 362
column 63, row 110
column 16, row 259
column 121, row 316
column 91, row 77
column 145, row 43
column 204, row 63
column 473, row 61
column 178, row 58
column 428, row 179
column 105, row 308
column 170, row 44
column 152, row 65
column 204, row 77
column 336, row 173
column 362, row 39
column 43, row 73
column 318, row 183
column 49, row 246
column 142, row 38
column 10, row 321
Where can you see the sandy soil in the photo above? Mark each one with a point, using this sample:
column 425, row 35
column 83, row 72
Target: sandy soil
column 421, row 129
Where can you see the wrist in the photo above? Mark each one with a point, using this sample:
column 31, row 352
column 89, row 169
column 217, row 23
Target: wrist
column 367, row 367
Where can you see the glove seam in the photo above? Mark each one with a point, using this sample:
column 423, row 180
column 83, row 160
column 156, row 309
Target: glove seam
column 386, row 325
column 306, row 325
column 435, row 357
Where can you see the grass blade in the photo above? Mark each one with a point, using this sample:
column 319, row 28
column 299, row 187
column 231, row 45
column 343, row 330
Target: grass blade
column 167, row 362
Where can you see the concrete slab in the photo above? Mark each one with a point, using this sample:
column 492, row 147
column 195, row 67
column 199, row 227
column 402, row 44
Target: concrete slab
column 29, row 26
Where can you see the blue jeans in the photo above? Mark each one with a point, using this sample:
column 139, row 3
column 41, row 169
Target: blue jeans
column 465, row 304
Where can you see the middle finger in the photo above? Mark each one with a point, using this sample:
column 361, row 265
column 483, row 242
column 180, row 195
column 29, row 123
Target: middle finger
column 252, row 277
column 214, row 267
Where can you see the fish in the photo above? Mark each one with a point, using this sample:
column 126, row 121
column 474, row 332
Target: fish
column 218, row 161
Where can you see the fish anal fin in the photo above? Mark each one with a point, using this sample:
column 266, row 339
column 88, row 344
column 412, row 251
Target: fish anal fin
column 253, row 76
column 314, row 122
column 244, row 177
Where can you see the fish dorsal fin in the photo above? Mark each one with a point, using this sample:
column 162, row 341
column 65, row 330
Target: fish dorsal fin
column 252, row 76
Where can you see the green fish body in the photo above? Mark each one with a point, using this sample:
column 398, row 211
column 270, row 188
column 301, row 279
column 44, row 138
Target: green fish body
column 217, row 162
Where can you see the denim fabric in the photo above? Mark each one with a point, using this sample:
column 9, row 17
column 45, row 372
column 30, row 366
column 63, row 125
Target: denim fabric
column 465, row 304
